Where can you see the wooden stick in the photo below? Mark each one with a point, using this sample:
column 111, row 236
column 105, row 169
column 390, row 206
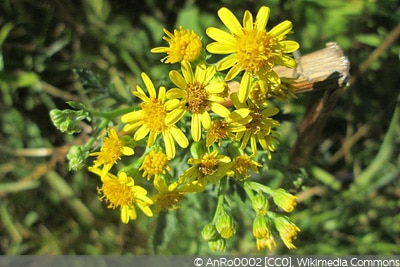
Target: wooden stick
column 326, row 72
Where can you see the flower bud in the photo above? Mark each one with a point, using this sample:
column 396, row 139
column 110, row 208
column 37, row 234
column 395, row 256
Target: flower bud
column 77, row 156
column 284, row 200
column 260, row 204
column 217, row 245
column 261, row 227
column 225, row 226
column 209, row 232
column 287, row 230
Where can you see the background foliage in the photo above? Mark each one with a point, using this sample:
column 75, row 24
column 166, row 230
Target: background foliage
column 349, row 188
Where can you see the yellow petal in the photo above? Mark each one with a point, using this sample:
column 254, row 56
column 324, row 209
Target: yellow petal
column 221, row 36
column 233, row 72
column 281, row 29
column 239, row 114
column 160, row 50
column 128, row 212
column 248, row 20
column 210, row 71
column 132, row 116
column 262, row 18
column 127, row 151
column 220, row 110
column 146, row 210
column 177, row 79
column 174, row 116
column 172, row 104
column 262, row 140
column 152, row 139
column 176, row 92
column 196, row 127
column 227, row 62
column 169, row 145
column 268, row 112
column 286, row 61
column 149, row 85
column 132, row 126
column 161, row 94
column 205, row 119
column 200, row 73
column 289, row 46
column 221, row 48
column 244, row 88
column 230, row 21
column 141, row 132
column 179, row 137
column 187, row 71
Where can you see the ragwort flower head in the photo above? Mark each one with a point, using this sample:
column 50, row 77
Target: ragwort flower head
column 260, row 128
column 121, row 192
column 210, row 167
column 242, row 167
column 156, row 116
column 154, row 164
column 198, row 95
column 287, row 230
column 183, row 45
column 111, row 151
column 251, row 48
column 221, row 129
column 169, row 195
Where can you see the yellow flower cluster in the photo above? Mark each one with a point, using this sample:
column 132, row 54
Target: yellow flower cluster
column 223, row 131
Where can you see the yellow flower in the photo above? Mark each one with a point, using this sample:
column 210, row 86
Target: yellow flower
column 111, row 151
column 210, row 166
column 266, row 242
column 287, row 230
column 169, row 196
column 242, row 166
column 251, row 47
column 221, row 129
column 284, row 200
column 261, row 227
column 259, row 93
column 183, row 45
column 198, row 95
column 284, row 89
column 154, row 164
column 156, row 116
column 260, row 128
column 121, row 191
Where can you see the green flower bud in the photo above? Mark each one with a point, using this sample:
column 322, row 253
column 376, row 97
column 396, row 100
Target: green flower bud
column 217, row 245
column 261, row 227
column 209, row 232
column 77, row 156
column 260, row 204
column 284, row 200
column 225, row 226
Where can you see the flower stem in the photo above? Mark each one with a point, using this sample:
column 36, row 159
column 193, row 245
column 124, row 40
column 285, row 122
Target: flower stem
column 223, row 184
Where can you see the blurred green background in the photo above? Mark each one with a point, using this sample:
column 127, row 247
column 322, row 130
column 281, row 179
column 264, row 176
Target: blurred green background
column 350, row 189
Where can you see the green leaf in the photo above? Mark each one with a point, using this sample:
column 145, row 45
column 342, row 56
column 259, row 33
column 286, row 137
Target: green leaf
column 67, row 121
column 326, row 178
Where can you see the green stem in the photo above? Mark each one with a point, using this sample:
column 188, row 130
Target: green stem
column 367, row 177
column 96, row 133
column 223, row 184
column 257, row 187
column 111, row 114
